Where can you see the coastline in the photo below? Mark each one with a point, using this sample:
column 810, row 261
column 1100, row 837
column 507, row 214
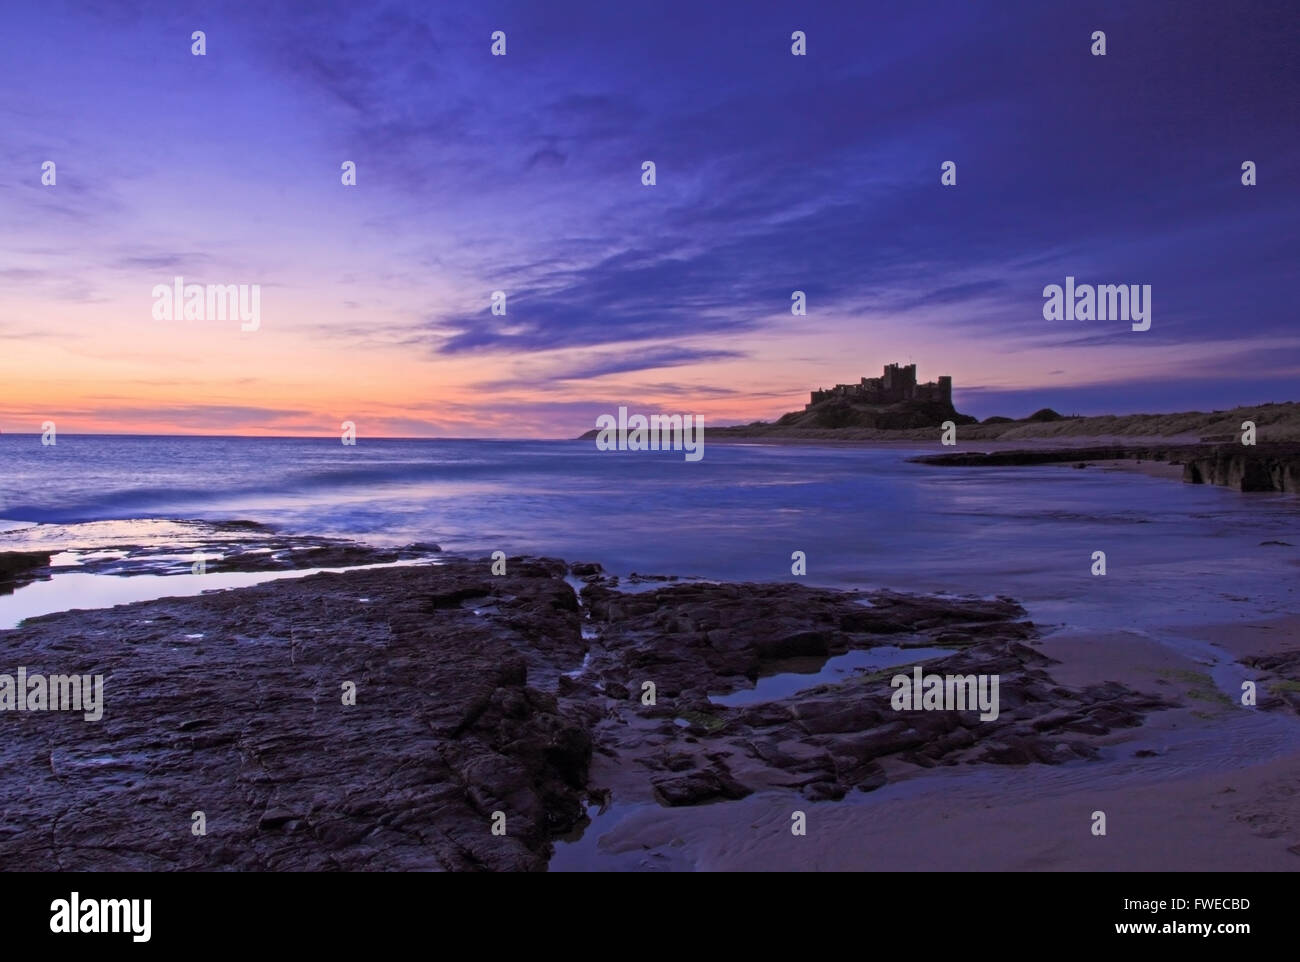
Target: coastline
column 478, row 693
column 1276, row 422
column 1271, row 467
column 522, row 694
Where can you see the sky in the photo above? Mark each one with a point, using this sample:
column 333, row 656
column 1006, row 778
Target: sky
column 523, row 174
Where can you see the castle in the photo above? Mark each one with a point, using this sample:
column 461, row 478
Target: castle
column 895, row 385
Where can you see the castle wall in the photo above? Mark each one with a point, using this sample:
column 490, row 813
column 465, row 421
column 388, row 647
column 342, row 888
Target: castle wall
column 894, row 385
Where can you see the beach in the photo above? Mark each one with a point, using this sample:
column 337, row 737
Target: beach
column 226, row 660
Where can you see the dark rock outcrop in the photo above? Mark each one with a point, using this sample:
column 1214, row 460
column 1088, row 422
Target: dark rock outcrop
column 476, row 695
column 19, row 567
column 1262, row 467
column 694, row 641
column 232, row 704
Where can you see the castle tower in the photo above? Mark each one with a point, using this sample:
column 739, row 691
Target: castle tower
column 899, row 383
column 889, row 379
column 908, row 376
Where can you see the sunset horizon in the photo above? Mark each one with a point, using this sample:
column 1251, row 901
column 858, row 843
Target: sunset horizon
column 474, row 174
column 574, row 437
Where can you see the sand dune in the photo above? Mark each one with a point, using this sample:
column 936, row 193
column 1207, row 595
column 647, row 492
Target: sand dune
column 1274, row 422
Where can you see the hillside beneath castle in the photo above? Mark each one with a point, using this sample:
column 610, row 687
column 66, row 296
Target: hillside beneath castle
column 837, row 412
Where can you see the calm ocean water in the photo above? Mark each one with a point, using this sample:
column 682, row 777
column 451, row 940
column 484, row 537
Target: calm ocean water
column 863, row 516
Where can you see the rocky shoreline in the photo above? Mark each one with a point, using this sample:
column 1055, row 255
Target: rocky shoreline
column 221, row 547
column 478, row 694
column 1262, row 467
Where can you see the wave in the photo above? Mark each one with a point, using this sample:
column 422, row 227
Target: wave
column 69, row 500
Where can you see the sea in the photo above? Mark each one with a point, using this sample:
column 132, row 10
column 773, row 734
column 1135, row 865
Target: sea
column 860, row 516
column 1176, row 556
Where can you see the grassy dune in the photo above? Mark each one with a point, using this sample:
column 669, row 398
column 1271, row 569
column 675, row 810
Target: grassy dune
column 1274, row 422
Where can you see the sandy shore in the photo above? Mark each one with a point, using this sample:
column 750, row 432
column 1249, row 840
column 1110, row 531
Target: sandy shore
column 1241, row 820
column 523, row 696
column 1204, row 786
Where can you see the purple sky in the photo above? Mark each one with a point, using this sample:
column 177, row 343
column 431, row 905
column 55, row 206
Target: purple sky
column 522, row 173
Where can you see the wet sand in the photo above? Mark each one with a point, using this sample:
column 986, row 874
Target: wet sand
column 1214, row 789
column 476, row 687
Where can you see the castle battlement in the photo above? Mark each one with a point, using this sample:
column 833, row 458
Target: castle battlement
column 896, row 384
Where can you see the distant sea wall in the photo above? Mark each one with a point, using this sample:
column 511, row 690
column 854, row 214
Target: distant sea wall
column 1264, row 467
column 1246, row 470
